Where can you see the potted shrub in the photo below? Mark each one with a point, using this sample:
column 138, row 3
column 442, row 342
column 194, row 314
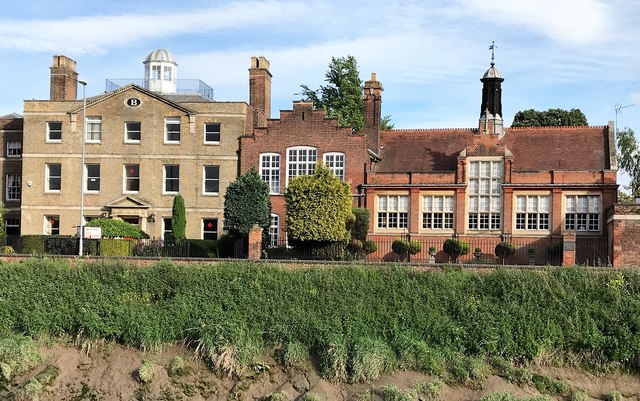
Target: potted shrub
column 432, row 254
column 455, row 248
column 505, row 249
column 477, row 252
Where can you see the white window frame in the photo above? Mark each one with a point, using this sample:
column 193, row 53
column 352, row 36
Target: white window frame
column 49, row 131
column 587, row 204
column 167, row 73
column 203, row 226
column 156, row 72
column 170, row 121
column 128, row 131
column 269, row 172
column 301, row 167
column 14, row 149
column 274, row 231
column 94, row 129
column 437, row 209
column 12, row 187
column 165, row 179
column 48, row 177
column 126, row 178
column 485, row 177
column 336, row 162
column 532, row 212
column 219, row 132
column 392, row 212
column 215, row 179
column 48, row 228
column 88, row 178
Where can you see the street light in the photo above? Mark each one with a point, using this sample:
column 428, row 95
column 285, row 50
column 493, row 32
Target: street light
column 84, row 134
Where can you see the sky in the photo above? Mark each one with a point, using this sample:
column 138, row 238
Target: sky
column 429, row 55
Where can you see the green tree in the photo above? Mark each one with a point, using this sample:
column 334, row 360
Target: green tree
column 318, row 207
column 342, row 96
column 247, row 203
column 178, row 219
column 629, row 158
column 549, row 118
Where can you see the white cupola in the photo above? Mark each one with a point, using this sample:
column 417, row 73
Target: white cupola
column 160, row 72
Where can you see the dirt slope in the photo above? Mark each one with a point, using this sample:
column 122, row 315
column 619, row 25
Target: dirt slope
column 109, row 372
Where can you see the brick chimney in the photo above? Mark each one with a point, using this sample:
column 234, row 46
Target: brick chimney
column 64, row 79
column 372, row 112
column 260, row 90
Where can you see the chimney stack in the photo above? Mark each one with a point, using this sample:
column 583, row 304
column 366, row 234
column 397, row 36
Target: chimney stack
column 64, row 79
column 260, row 90
column 372, row 111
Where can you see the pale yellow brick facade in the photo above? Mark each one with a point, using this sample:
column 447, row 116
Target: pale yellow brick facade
column 151, row 203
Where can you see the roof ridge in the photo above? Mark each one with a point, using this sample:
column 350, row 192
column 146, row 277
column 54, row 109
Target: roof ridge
column 556, row 127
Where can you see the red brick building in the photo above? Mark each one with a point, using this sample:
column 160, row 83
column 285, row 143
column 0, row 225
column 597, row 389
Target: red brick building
column 531, row 186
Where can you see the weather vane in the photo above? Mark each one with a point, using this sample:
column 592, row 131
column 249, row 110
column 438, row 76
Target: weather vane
column 492, row 48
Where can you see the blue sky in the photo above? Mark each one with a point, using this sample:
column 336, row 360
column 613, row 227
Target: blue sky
column 429, row 55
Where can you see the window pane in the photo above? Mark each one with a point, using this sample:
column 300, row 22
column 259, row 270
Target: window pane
column 132, row 174
column 211, row 179
column 212, row 132
column 210, row 229
column 133, row 129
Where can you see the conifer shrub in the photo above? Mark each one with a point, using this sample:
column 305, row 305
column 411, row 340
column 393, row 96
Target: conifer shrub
column 361, row 224
column 246, row 202
column 178, row 219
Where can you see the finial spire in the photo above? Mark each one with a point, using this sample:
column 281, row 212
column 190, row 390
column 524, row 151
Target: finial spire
column 492, row 48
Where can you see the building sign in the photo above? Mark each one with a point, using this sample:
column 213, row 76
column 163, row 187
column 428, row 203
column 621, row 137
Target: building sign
column 133, row 102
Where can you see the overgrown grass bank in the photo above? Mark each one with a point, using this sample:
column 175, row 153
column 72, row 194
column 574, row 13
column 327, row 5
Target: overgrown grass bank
column 360, row 321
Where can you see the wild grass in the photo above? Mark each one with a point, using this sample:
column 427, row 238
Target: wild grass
column 18, row 354
column 511, row 397
column 176, row 367
column 146, row 372
column 294, row 356
column 432, row 321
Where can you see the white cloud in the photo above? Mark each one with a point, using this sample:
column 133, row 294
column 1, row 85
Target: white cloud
column 98, row 33
column 575, row 22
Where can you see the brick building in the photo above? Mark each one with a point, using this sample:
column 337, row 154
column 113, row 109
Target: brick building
column 484, row 184
column 146, row 141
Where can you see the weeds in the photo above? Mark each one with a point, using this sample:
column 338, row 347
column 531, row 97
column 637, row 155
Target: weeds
column 176, row 367
column 230, row 312
column 294, row 356
column 18, row 354
column 613, row 396
column 147, row 372
column 369, row 359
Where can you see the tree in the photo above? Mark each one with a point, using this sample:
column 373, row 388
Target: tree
column 178, row 219
column 247, row 203
column 629, row 158
column 342, row 96
column 318, row 207
column 549, row 118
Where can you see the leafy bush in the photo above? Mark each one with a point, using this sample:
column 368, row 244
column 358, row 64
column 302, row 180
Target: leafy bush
column 355, row 246
column 116, row 228
column 279, row 396
column 414, row 247
column 31, row 244
column 361, row 225
column 116, row 247
column 7, row 249
column 369, row 247
column 400, row 246
column 455, row 247
column 246, row 203
column 295, row 355
column 505, row 249
column 203, row 248
column 310, row 397
column 318, row 207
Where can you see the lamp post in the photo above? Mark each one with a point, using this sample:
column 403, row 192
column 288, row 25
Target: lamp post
column 84, row 135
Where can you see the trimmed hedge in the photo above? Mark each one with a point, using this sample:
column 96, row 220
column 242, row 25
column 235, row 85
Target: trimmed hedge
column 361, row 225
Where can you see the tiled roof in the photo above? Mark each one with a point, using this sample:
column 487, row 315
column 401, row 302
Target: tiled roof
column 558, row 148
column 422, row 150
column 535, row 148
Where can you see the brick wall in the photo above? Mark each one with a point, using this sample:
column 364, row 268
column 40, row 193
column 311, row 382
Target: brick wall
column 624, row 229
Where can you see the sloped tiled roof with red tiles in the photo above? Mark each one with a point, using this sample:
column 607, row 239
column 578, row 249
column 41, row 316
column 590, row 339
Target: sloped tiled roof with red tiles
column 534, row 148
column 559, row 148
column 422, row 150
